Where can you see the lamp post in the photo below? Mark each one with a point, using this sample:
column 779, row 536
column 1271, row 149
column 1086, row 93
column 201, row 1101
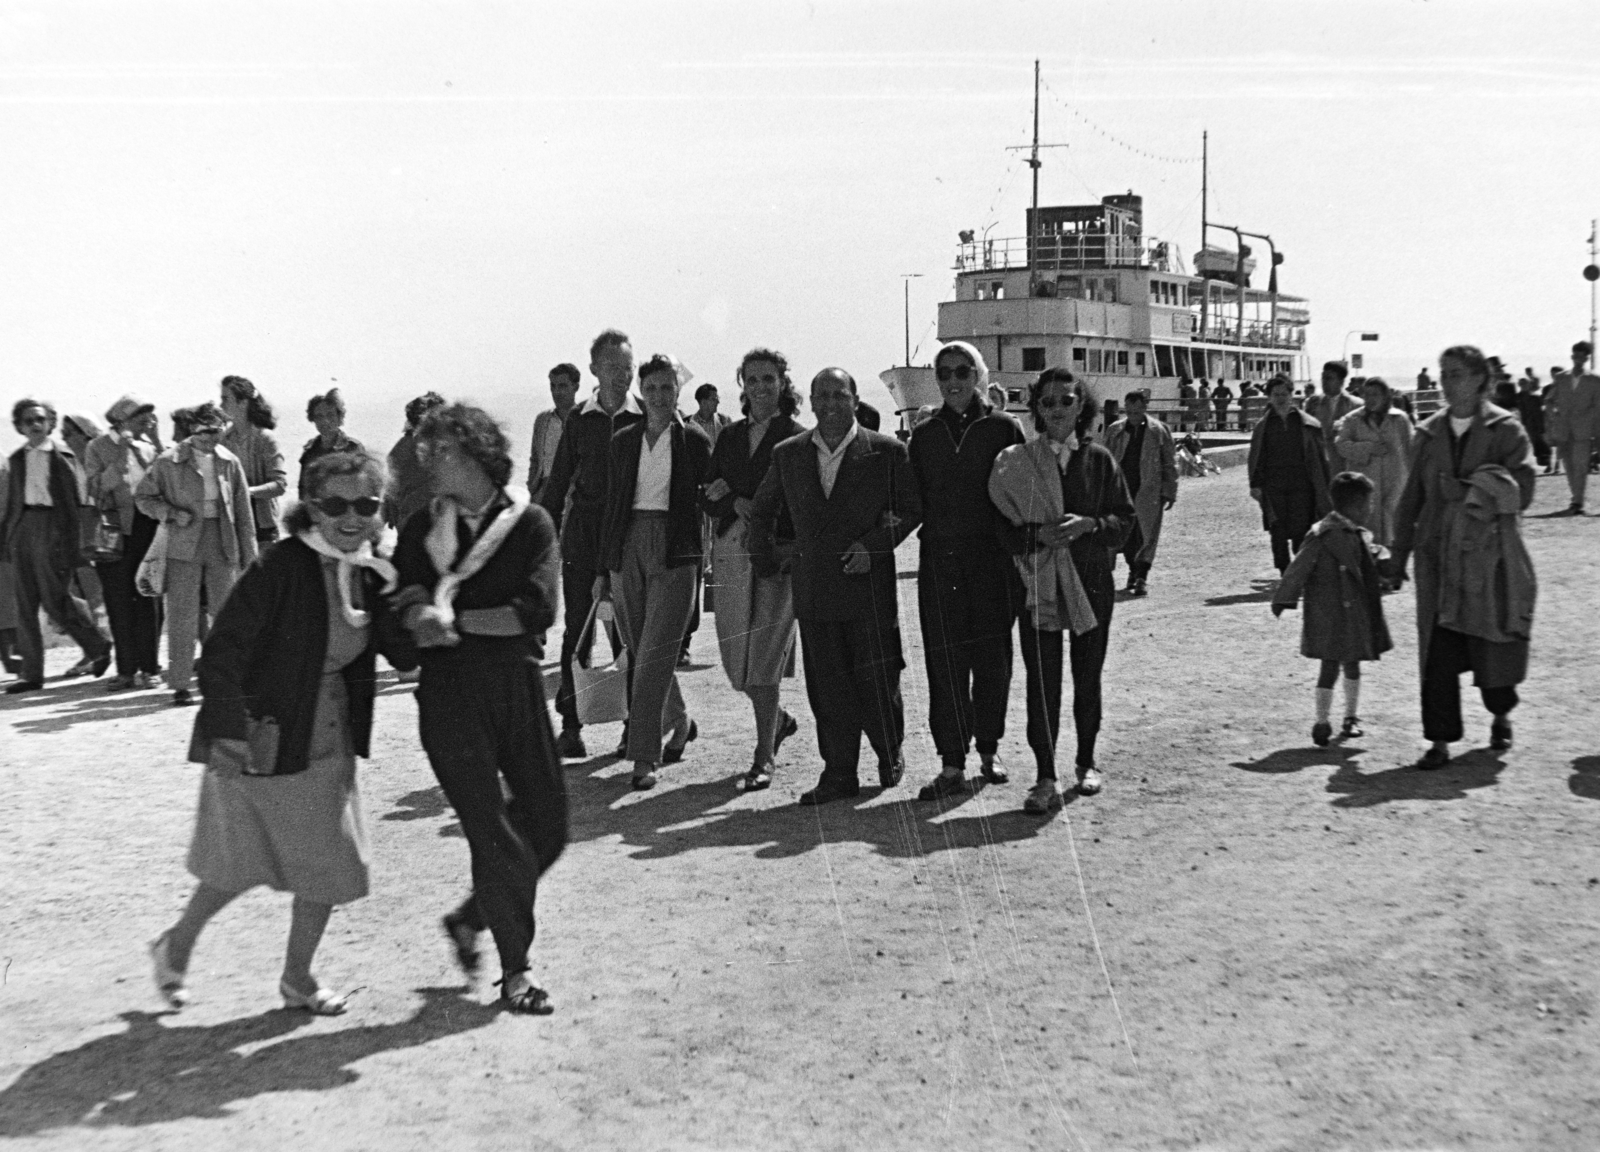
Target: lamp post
column 907, row 278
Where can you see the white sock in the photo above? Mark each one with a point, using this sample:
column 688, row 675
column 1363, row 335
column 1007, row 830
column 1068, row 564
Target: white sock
column 1324, row 704
column 1352, row 696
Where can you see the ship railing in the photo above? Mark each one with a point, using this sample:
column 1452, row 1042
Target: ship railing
column 1061, row 253
column 1241, row 416
column 1259, row 335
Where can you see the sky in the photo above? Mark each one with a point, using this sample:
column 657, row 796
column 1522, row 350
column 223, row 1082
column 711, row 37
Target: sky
column 456, row 196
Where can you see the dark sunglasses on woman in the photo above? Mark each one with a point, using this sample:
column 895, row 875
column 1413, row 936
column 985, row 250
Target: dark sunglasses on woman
column 338, row 505
column 959, row 372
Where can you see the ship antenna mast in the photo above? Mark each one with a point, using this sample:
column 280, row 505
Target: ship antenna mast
column 1205, row 288
column 1034, row 162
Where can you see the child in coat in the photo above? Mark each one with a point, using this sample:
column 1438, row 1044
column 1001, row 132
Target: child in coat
column 1336, row 573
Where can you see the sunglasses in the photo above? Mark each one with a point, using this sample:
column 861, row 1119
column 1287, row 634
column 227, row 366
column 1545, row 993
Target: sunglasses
column 959, row 372
column 338, row 505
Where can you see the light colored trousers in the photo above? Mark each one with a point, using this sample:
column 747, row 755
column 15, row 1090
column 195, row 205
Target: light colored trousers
column 653, row 603
column 1575, row 455
column 184, row 578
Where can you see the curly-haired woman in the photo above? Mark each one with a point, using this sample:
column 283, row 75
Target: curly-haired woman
column 250, row 438
column 478, row 569
column 326, row 410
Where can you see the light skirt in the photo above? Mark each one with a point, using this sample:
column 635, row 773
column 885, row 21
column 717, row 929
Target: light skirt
column 755, row 615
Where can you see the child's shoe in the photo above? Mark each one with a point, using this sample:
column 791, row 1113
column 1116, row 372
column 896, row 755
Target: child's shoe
column 1352, row 728
column 1321, row 733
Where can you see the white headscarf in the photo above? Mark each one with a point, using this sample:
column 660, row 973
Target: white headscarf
column 975, row 356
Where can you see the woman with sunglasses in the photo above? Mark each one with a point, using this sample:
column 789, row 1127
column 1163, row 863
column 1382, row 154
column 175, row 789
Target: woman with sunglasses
column 967, row 597
column 755, row 614
column 1067, row 511
column 197, row 488
column 288, row 680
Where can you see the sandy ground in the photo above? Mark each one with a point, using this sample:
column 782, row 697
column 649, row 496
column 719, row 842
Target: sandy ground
column 1244, row 943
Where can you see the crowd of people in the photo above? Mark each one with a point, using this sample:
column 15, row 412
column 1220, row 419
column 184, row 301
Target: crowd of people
column 629, row 505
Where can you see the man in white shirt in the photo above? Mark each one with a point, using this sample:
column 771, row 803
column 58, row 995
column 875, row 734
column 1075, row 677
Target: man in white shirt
column 41, row 537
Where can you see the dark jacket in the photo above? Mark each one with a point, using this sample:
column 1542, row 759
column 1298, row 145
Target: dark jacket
column 731, row 460
column 874, row 501
column 691, row 460
column 263, row 657
column 1335, row 574
column 523, row 574
column 583, row 464
column 1091, row 486
column 1316, row 466
column 67, row 541
column 952, row 470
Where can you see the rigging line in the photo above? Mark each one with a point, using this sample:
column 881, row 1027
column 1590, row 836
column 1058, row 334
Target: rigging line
column 1113, row 138
column 1094, row 933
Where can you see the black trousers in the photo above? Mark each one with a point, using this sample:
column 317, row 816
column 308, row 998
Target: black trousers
column 577, row 597
column 43, row 583
column 966, row 599
column 1041, row 658
column 483, row 720
column 135, row 619
column 1450, row 653
column 1284, row 546
column 1137, row 569
column 853, row 685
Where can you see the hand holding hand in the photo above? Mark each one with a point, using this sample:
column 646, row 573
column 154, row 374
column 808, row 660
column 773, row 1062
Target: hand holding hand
column 429, row 629
column 857, row 560
column 717, row 489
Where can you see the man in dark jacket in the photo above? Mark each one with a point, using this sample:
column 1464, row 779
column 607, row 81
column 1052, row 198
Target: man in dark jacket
column 1288, row 472
column 852, row 498
column 582, row 465
column 41, row 536
column 967, row 587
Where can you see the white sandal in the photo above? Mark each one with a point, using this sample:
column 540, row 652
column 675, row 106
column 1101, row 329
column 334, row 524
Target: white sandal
column 319, row 1003
column 169, row 981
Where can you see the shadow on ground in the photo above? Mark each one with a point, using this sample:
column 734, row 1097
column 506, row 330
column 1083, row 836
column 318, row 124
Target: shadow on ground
column 1261, row 592
column 1585, row 781
column 87, row 705
column 1479, row 768
column 154, row 1073
column 671, row 821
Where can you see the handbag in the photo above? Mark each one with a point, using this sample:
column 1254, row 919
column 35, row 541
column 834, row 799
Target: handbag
column 105, row 539
column 601, row 693
column 262, row 736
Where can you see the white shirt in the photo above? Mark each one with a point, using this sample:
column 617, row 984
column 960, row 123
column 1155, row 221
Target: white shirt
column 36, row 479
column 629, row 404
column 552, row 440
column 829, row 459
column 652, row 492
column 206, row 462
column 1460, row 424
column 1064, row 450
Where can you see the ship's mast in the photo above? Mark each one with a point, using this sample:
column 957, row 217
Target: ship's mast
column 1205, row 286
column 1033, row 219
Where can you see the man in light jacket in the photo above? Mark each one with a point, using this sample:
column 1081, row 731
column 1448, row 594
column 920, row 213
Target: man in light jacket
column 1143, row 447
column 1572, row 422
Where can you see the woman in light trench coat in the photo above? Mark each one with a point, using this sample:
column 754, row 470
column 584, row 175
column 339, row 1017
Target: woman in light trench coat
column 1375, row 440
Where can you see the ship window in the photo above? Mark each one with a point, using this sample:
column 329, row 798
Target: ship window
column 1122, row 363
column 1078, row 356
column 1033, row 359
column 1094, row 359
column 1163, row 360
column 1067, row 287
column 1157, row 291
column 1138, row 364
column 997, row 290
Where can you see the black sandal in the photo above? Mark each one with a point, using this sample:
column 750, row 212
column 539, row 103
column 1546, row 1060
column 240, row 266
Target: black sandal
column 759, row 777
column 531, row 1000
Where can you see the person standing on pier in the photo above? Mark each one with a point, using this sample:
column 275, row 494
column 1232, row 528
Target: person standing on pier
column 1572, row 422
column 967, row 589
column 1144, row 448
column 1375, row 440
column 550, row 424
column 583, row 467
column 852, row 498
column 1288, row 471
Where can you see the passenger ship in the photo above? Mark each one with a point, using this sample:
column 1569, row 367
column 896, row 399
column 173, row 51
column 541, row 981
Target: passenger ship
column 1086, row 289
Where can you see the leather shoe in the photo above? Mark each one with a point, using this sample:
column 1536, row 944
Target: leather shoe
column 23, row 686
column 569, row 746
column 890, row 771
column 1433, row 758
column 101, row 663
column 943, row 786
column 828, row 790
column 671, row 754
column 1500, row 735
column 992, row 772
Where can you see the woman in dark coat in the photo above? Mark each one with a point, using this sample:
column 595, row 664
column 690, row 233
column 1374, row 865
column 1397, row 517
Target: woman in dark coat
column 1067, row 511
column 755, row 614
column 287, row 677
column 1472, row 476
column 478, row 569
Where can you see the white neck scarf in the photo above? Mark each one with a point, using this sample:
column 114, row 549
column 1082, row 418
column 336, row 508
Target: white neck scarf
column 441, row 545
column 362, row 557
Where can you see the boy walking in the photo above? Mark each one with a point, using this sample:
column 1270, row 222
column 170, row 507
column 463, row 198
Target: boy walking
column 1336, row 573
